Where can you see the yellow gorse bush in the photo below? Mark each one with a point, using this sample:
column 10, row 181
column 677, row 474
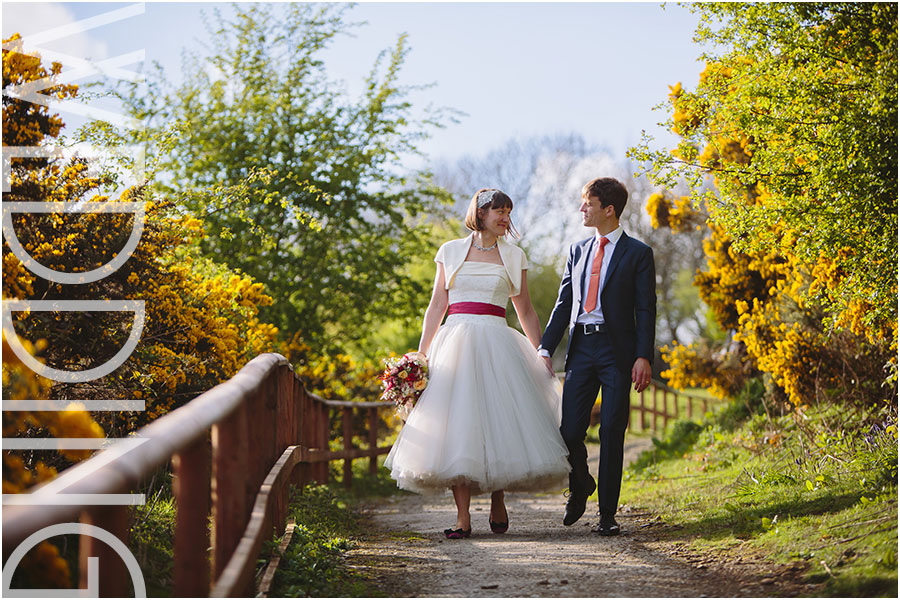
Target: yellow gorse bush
column 802, row 245
column 201, row 320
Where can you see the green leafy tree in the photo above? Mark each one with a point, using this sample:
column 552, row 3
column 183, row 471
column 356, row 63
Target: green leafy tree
column 795, row 116
column 334, row 215
column 801, row 250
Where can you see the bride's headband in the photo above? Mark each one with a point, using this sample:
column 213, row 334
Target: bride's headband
column 485, row 197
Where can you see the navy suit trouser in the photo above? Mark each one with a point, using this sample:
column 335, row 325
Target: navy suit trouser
column 590, row 367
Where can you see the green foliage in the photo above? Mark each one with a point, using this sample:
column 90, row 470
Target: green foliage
column 311, row 566
column 543, row 286
column 797, row 490
column 298, row 184
column 748, row 403
column 680, row 440
column 365, row 484
column 796, row 118
column 152, row 536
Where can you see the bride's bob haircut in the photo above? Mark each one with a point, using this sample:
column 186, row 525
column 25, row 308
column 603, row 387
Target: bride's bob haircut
column 498, row 200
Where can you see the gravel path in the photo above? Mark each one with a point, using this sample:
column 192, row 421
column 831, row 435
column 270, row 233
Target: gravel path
column 405, row 554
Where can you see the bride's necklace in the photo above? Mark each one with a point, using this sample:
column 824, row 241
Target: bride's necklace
column 488, row 249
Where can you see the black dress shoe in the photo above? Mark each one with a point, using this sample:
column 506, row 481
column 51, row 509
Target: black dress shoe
column 607, row 526
column 499, row 527
column 576, row 504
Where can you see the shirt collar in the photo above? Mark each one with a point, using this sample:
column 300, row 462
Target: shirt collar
column 613, row 236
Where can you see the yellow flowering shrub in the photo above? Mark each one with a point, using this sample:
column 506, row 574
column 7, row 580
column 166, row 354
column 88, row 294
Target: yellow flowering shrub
column 201, row 318
column 698, row 366
column 801, row 251
column 43, row 567
column 338, row 377
column 778, row 328
column 675, row 213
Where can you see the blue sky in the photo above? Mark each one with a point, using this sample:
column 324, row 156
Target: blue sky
column 515, row 69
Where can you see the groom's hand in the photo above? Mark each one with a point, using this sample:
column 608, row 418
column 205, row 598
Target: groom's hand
column 640, row 374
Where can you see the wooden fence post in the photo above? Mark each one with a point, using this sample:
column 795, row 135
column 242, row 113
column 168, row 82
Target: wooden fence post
column 256, row 453
column 283, row 421
column 665, row 409
column 323, row 431
column 305, row 422
column 643, row 412
column 284, row 427
column 229, row 451
column 373, row 440
column 347, row 422
column 191, row 488
column 271, row 443
column 114, row 576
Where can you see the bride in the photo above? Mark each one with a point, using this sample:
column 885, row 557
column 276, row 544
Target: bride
column 488, row 421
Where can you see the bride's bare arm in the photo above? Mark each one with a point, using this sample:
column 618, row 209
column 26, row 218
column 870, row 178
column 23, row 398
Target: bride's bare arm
column 527, row 315
column 434, row 314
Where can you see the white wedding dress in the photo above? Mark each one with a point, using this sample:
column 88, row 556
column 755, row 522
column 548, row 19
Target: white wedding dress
column 490, row 414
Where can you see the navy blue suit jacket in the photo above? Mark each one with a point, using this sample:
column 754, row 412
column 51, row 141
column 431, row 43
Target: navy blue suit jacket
column 627, row 297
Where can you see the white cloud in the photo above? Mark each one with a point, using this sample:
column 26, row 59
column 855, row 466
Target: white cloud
column 29, row 18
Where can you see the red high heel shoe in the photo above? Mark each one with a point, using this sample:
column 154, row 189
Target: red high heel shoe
column 457, row 534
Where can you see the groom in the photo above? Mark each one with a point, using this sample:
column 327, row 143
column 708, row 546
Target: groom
column 607, row 301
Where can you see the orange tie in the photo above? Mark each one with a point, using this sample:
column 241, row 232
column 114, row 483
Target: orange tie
column 590, row 302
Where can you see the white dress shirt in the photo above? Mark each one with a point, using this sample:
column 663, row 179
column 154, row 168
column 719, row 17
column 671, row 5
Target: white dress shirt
column 596, row 315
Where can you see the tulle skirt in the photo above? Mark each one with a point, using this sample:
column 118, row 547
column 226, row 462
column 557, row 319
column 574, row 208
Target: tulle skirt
column 489, row 416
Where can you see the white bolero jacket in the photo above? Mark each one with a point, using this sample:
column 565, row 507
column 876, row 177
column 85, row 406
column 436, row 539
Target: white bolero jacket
column 453, row 253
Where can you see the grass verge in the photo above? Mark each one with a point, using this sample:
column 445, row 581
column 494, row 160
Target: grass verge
column 327, row 526
column 785, row 488
column 151, row 537
column 312, row 565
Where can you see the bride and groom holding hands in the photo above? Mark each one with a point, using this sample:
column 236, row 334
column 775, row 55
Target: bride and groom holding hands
column 490, row 418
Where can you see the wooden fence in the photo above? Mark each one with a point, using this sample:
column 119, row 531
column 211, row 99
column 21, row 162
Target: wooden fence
column 659, row 402
column 234, row 450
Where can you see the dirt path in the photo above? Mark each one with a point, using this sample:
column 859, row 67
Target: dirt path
column 405, row 554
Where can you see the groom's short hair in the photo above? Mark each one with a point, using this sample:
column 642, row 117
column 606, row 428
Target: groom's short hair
column 609, row 191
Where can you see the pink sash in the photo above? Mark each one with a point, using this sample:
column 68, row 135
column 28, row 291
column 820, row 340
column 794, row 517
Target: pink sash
column 477, row 308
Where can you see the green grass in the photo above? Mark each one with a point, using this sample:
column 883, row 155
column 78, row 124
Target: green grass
column 789, row 489
column 365, row 484
column 312, row 565
column 152, row 535
column 327, row 527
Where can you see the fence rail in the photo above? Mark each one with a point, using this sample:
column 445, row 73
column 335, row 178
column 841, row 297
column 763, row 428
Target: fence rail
column 659, row 402
column 648, row 404
column 234, row 450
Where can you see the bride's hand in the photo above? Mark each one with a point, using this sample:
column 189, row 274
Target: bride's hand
column 549, row 364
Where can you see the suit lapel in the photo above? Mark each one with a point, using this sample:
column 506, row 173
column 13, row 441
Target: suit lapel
column 621, row 249
column 579, row 270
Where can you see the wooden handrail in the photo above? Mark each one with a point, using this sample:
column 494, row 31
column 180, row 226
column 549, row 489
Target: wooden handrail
column 234, row 449
column 127, row 464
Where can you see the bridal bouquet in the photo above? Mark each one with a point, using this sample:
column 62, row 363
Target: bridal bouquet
column 404, row 379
